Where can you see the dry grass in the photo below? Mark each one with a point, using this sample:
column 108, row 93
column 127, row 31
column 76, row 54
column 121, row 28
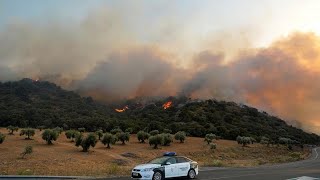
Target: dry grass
column 64, row 158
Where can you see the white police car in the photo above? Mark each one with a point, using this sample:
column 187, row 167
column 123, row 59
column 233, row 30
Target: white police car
column 167, row 166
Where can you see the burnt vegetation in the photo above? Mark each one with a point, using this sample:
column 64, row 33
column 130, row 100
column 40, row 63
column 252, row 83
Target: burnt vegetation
column 28, row 103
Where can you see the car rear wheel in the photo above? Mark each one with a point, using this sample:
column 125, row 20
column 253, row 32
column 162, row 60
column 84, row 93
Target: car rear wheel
column 157, row 176
column 192, row 174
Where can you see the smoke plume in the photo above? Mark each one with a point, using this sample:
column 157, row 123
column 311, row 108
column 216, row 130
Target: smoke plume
column 103, row 57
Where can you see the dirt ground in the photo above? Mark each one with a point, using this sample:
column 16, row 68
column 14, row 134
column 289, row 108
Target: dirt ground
column 64, row 158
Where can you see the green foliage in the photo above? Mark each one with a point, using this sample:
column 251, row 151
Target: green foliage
column 123, row 137
column 86, row 142
column 28, row 132
column 154, row 132
column 213, row 146
column 142, row 136
column 12, row 129
column 116, row 131
column 244, row 140
column 209, row 138
column 27, row 150
column 50, row 135
column 265, row 140
column 167, row 139
column 59, row 130
column 108, row 139
column 167, row 131
column 99, row 133
column 2, row 138
column 41, row 127
column 129, row 130
column 180, row 136
column 155, row 140
column 71, row 134
column 82, row 129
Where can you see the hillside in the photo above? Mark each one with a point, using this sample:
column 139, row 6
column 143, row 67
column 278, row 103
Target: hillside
column 33, row 103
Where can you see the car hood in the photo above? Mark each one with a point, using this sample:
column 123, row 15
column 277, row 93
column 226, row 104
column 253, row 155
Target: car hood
column 144, row 166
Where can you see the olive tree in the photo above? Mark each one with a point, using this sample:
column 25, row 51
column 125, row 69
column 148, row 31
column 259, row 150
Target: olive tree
column 123, row 137
column 108, row 139
column 99, row 133
column 2, row 137
column 11, row 129
column 72, row 134
column 180, row 136
column 155, row 141
column 50, row 135
column 28, row 132
column 209, row 138
column 116, row 131
column 154, row 132
column 86, row 142
column 58, row 130
column 167, row 139
column 27, row 150
column 129, row 130
column 244, row 140
column 142, row 136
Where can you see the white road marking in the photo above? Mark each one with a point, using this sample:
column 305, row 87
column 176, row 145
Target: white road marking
column 304, row 178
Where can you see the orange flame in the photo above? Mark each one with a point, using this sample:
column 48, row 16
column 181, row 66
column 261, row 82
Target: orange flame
column 167, row 105
column 122, row 110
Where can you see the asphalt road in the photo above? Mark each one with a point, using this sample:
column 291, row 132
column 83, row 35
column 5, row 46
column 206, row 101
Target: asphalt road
column 303, row 170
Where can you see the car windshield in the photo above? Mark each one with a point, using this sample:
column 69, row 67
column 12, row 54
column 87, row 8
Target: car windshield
column 159, row 160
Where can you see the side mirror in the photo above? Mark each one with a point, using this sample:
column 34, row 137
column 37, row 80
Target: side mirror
column 168, row 163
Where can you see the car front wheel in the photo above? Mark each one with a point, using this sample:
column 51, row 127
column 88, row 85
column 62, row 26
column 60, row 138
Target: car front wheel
column 191, row 174
column 157, row 176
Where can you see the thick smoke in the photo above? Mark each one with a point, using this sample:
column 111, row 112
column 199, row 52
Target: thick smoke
column 103, row 57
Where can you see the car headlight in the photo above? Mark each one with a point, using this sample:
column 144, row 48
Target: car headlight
column 147, row 169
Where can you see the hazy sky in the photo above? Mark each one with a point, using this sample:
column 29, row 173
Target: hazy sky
column 265, row 20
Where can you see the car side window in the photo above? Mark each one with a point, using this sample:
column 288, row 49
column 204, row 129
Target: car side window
column 172, row 160
column 181, row 160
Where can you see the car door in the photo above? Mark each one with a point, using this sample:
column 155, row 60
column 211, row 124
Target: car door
column 170, row 168
column 183, row 166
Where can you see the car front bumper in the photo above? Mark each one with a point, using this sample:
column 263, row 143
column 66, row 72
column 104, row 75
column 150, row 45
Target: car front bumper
column 142, row 175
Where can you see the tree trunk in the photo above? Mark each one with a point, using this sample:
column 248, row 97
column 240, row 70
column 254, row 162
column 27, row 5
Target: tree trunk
column 108, row 146
column 155, row 146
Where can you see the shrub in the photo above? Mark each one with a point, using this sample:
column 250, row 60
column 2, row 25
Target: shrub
column 166, row 139
column 244, row 140
column 58, row 130
column 2, row 137
column 155, row 140
column 50, row 135
column 82, row 129
column 86, row 142
column 27, row 132
column 129, row 130
column 154, row 132
column 212, row 146
column 12, row 129
column 265, row 140
column 116, row 131
column 108, row 139
column 71, row 134
column 27, row 150
column 142, row 136
column 41, row 127
column 99, row 133
column 238, row 139
column 123, row 136
column 285, row 141
column 209, row 138
column 180, row 136
column 167, row 131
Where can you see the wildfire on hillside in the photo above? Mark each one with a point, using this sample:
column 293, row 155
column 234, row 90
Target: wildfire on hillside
column 122, row 110
column 167, row 105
